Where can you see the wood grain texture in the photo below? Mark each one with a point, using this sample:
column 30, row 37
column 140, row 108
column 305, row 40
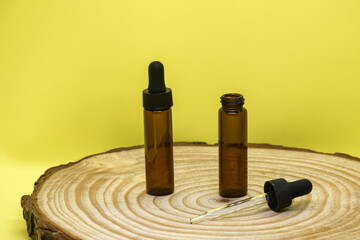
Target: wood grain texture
column 103, row 197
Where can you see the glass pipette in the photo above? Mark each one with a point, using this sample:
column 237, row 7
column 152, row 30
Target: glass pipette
column 278, row 195
column 231, row 207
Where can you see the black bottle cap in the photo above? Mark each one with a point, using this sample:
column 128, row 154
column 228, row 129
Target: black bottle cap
column 280, row 193
column 157, row 97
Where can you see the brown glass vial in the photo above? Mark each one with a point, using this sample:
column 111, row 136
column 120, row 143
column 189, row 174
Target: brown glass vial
column 232, row 146
column 157, row 102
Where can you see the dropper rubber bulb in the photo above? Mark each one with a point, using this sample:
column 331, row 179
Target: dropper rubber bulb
column 156, row 78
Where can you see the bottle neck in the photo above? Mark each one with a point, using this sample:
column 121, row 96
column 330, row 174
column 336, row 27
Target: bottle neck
column 232, row 102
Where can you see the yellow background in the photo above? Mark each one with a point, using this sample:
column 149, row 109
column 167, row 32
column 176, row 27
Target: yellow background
column 72, row 75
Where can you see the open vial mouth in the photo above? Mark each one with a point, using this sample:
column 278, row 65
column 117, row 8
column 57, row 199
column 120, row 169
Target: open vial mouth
column 232, row 102
column 232, row 96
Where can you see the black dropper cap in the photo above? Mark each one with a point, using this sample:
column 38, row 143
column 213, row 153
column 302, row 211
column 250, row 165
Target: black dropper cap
column 157, row 97
column 280, row 193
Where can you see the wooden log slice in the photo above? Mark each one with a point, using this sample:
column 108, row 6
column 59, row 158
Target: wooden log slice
column 103, row 197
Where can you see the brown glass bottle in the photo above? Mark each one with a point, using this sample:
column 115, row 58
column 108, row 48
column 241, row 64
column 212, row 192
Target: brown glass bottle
column 157, row 102
column 232, row 146
column 158, row 152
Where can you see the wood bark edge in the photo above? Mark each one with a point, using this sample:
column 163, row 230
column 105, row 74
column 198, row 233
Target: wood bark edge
column 40, row 227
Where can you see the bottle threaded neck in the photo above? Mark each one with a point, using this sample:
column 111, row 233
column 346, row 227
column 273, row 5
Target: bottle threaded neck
column 232, row 102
